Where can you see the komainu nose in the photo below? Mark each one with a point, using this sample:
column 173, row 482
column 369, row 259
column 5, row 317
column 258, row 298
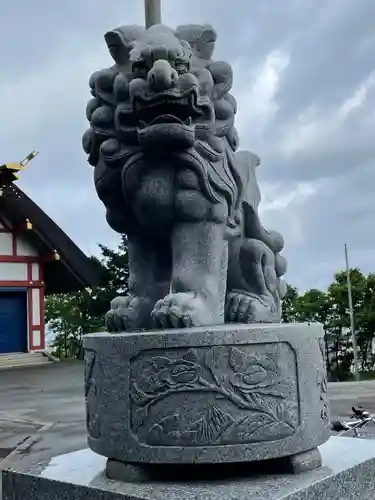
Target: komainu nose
column 162, row 76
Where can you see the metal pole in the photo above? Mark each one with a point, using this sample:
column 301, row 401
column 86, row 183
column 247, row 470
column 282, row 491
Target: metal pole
column 152, row 12
column 351, row 313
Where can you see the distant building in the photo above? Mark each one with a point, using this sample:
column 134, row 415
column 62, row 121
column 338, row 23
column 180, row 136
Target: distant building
column 36, row 259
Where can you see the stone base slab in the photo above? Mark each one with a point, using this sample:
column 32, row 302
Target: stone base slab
column 231, row 393
column 146, row 473
column 348, row 473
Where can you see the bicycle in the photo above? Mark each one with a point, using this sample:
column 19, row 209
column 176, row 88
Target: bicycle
column 360, row 419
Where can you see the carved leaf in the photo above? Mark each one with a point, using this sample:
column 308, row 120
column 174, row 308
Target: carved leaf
column 267, row 363
column 139, row 417
column 250, row 425
column 278, row 390
column 322, row 384
column 211, row 426
column 139, row 397
column 284, row 415
column 239, row 361
column 280, row 411
column 191, row 355
column 259, row 403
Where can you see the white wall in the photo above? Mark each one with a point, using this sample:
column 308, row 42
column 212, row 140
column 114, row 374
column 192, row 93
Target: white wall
column 6, row 244
column 37, row 338
column 36, row 306
column 13, row 271
column 35, row 272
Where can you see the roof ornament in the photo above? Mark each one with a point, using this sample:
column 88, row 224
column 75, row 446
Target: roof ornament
column 8, row 170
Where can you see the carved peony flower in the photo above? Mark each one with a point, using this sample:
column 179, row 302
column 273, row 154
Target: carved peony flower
column 255, row 378
column 252, row 373
column 180, row 372
column 161, row 373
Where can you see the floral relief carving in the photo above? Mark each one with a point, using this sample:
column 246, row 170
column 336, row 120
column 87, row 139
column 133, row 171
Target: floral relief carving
column 217, row 395
column 322, row 384
column 91, row 393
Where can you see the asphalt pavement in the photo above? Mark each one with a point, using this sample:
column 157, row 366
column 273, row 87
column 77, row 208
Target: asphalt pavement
column 34, row 398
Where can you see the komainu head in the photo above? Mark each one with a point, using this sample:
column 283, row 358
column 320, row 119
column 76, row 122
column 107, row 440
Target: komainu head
column 164, row 92
column 171, row 104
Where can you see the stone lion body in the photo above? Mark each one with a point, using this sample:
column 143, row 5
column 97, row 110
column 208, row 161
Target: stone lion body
column 163, row 144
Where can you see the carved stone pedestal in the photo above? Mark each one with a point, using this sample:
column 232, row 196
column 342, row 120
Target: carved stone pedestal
column 231, row 393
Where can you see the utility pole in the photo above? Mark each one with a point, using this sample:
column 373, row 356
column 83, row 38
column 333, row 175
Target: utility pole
column 152, row 12
column 351, row 314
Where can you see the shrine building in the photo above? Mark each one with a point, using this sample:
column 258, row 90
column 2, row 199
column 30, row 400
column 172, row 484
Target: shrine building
column 36, row 259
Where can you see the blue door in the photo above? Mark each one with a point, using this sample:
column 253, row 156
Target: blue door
column 13, row 322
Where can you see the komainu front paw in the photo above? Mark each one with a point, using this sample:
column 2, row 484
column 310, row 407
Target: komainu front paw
column 242, row 308
column 129, row 313
column 182, row 310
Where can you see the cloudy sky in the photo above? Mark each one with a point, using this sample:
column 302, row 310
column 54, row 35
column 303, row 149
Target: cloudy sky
column 305, row 83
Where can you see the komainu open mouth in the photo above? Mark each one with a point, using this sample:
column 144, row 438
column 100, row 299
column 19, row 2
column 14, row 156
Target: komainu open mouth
column 167, row 108
column 165, row 119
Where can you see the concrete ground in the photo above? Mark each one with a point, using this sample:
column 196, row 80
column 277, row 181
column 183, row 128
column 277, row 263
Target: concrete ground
column 33, row 398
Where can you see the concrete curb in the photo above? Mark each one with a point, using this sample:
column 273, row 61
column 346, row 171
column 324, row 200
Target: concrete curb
column 22, row 367
column 50, row 356
column 23, row 446
column 20, row 421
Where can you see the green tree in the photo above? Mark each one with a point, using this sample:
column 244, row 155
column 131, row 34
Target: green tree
column 70, row 316
column 114, row 277
column 313, row 305
column 365, row 323
column 288, row 305
column 341, row 346
column 331, row 309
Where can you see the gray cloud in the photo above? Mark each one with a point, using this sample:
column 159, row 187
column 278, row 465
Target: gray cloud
column 306, row 90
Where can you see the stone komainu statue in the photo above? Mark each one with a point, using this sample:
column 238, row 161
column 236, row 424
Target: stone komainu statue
column 164, row 146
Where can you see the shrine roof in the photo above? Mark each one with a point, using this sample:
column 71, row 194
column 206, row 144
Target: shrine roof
column 71, row 270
